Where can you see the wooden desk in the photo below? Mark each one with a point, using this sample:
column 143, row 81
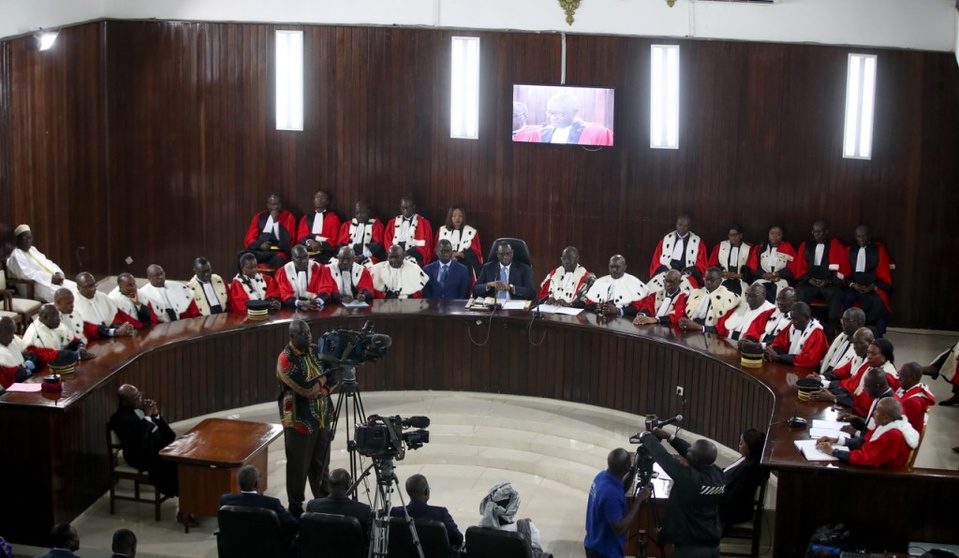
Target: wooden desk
column 209, row 455
column 58, row 461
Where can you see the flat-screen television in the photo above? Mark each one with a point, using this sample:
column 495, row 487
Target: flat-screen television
column 562, row 114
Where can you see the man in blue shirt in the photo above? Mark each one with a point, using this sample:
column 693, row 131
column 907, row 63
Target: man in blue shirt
column 607, row 517
column 449, row 279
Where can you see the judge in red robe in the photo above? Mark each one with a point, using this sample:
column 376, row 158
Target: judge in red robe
column 126, row 297
column 353, row 281
column 364, row 233
column 303, row 283
column 411, row 232
column 736, row 324
column 887, row 446
column 16, row 365
column 467, row 248
column 869, row 281
column 271, row 234
column 681, row 250
column 567, row 283
column 803, row 344
column 250, row 284
column 319, row 231
column 764, row 329
column 565, row 126
column 915, row 397
column 775, row 262
column 737, row 260
column 100, row 316
column 665, row 307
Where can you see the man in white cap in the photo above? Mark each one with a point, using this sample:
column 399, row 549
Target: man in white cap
column 26, row 262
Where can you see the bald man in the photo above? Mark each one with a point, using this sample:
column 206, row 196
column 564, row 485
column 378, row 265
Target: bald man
column 100, row 316
column 49, row 338
column 616, row 294
column 16, row 364
column 692, row 511
column 665, row 307
column 353, row 281
column 564, row 125
column 915, row 396
column 365, row 234
column 171, row 300
column 682, row 250
column 804, row 344
column 709, row 305
column 887, row 446
column 735, row 325
column 412, row 232
column 126, row 296
column 304, row 284
column 567, row 283
column 398, row 277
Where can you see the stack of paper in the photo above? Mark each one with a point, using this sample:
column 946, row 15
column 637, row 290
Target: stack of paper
column 829, row 428
column 809, row 451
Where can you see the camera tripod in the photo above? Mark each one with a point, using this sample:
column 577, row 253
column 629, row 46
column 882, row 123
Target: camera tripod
column 386, row 482
column 349, row 389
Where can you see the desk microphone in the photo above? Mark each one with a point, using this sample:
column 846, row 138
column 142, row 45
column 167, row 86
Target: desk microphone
column 673, row 420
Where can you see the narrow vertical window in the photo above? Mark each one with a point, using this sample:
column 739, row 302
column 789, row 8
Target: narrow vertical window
column 464, row 88
column 860, row 104
column 664, row 97
column 289, row 80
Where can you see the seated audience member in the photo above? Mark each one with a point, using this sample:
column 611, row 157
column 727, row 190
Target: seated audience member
column 418, row 489
column 353, row 281
column 320, row 231
column 743, row 478
column 820, row 268
column 248, row 478
column 736, row 325
column 303, row 283
column 505, row 279
column 945, row 365
column 271, row 233
column 683, row 251
column 49, row 338
column 915, row 396
column 775, row 259
column 706, row 306
column 616, row 294
column 498, row 511
column 65, row 302
column 467, row 248
column 126, row 297
column 886, row 446
column 448, row 278
column 565, row 126
column 171, row 300
column 666, row 306
column 803, row 344
column 607, row 517
column 143, row 433
column 250, row 284
column 767, row 326
column 869, row 282
column 65, row 540
column 339, row 501
column 99, row 315
column 26, row 262
column 398, row 277
column 365, row 234
column 737, row 260
column 567, row 283
column 841, row 350
column 124, row 544
column 209, row 289
column 16, row 364
column 411, row 232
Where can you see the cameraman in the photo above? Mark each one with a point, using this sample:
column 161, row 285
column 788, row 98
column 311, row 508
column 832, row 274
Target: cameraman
column 692, row 511
column 607, row 517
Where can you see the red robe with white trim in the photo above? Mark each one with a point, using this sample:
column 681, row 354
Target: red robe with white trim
column 812, row 350
column 422, row 236
column 696, row 245
column 319, row 282
column 889, row 450
column 854, row 385
column 554, row 285
column 261, row 287
column 915, row 404
column 838, row 262
column 330, row 232
column 768, row 319
column 372, row 232
column 876, row 270
column 650, row 306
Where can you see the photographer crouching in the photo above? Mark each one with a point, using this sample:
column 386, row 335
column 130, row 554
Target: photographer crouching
column 692, row 512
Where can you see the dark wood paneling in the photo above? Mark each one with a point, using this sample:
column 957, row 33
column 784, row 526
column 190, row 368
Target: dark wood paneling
column 189, row 151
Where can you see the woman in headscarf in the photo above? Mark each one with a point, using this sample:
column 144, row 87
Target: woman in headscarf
column 498, row 511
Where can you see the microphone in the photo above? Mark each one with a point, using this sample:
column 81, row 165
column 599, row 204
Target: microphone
column 673, row 420
column 417, row 422
column 380, row 340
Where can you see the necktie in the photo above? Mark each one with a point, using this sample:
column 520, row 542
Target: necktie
column 504, row 277
column 444, row 270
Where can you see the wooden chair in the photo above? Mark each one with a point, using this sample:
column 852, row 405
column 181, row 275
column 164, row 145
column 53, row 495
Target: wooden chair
column 249, row 531
column 912, row 454
column 324, row 534
column 751, row 530
column 24, row 308
column 432, row 535
column 120, row 470
column 482, row 541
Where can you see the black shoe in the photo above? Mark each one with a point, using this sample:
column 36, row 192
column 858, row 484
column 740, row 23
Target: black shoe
column 951, row 402
column 956, row 449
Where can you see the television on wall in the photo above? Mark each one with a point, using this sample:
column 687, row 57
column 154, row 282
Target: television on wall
column 563, row 114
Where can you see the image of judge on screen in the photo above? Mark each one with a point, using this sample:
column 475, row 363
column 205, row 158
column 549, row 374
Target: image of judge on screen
column 563, row 125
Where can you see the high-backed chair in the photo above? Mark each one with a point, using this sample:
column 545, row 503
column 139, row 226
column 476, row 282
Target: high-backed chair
column 120, row 470
column 483, row 541
column 751, row 530
column 520, row 251
column 23, row 308
column 249, row 531
column 432, row 535
column 324, row 534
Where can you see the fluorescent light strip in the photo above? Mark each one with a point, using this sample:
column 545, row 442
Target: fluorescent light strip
column 289, row 80
column 664, row 97
column 860, row 106
column 464, row 87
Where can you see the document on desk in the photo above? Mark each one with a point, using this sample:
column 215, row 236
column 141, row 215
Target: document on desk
column 828, row 424
column 809, row 451
column 355, row 304
column 515, row 305
column 553, row 309
column 816, row 433
column 24, row 388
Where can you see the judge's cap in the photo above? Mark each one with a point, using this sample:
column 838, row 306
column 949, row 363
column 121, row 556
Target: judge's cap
column 21, row 229
column 751, row 357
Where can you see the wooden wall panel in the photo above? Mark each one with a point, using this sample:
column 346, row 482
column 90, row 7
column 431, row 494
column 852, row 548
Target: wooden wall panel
column 189, row 151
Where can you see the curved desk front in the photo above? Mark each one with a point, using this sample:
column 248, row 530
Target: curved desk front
column 55, row 456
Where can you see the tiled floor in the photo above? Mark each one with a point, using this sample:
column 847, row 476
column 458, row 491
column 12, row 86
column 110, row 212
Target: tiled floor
column 548, row 449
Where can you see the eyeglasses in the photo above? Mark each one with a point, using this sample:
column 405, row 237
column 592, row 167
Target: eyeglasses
column 556, row 114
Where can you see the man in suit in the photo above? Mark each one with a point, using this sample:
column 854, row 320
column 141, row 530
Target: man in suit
column 124, row 544
column 339, row 501
column 449, row 279
column 419, row 492
column 65, row 540
column 505, row 279
column 248, row 477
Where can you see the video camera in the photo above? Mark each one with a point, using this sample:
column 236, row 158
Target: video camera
column 643, row 462
column 353, row 348
column 383, row 437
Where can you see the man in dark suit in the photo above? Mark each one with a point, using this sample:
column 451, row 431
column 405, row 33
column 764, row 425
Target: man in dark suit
column 124, row 544
column 505, row 279
column 248, row 477
column 419, row 492
column 449, row 279
column 339, row 501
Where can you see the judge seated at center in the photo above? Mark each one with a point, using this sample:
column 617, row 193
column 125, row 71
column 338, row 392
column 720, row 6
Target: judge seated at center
column 616, row 294
column 398, row 277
